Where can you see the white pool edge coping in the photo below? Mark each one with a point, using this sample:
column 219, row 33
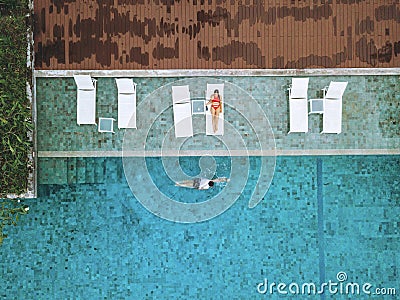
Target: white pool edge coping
column 158, row 153
column 222, row 72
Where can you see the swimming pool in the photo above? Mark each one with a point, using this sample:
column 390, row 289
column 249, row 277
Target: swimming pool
column 87, row 237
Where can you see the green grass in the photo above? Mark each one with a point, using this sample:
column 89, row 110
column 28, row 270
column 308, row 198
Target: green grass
column 15, row 107
column 15, row 110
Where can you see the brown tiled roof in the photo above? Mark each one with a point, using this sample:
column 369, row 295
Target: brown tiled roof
column 216, row 34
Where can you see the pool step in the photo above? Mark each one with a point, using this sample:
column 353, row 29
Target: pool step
column 111, row 174
column 71, row 170
column 120, row 173
column 99, row 168
column 89, row 176
column 115, row 171
column 52, row 171
column 81, row 170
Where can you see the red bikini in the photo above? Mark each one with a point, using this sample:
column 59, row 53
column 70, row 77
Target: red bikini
column 216, row 102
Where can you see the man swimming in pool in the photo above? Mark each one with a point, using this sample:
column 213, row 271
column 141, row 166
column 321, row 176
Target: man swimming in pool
column 201, row 183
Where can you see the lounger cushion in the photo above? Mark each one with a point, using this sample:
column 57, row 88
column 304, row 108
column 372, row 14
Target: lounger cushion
column 299, row 88
column 84, row 82
column 298, row 120
column 336, row 90
column 125, row 86
column 182, row 111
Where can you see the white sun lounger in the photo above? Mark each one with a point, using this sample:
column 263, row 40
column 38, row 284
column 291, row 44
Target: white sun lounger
column 126, row 103
column 298, row 110
column 211, row 87
column 86, row 99
column 182, row 111
column 332, row 117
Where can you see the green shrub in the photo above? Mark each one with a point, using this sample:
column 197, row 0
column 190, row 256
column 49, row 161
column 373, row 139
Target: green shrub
column 10, row 210
column 15, row 110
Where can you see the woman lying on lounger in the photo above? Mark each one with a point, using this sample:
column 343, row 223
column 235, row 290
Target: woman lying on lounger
column 201, row 183
column 216, row 108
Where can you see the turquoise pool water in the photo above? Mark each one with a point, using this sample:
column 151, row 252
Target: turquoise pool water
column 87, row 237
column 190, row 165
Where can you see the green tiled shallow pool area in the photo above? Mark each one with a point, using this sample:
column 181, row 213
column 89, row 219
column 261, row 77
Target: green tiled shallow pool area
column 370, row 113
column 87, row 237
